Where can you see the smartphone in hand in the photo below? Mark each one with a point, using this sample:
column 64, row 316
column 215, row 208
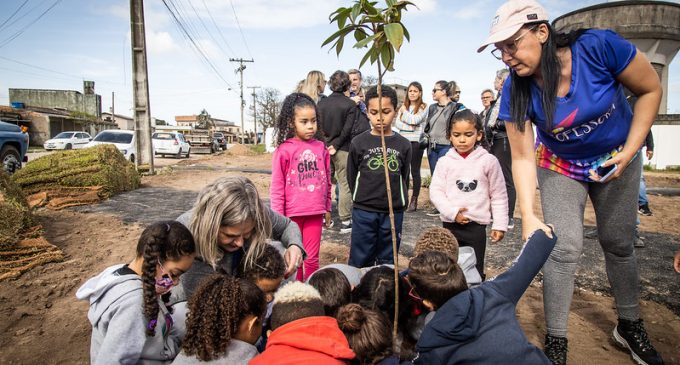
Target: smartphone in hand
column 605, row 172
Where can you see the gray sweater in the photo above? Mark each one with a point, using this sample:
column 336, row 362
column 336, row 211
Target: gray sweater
column 118, row 322
column 238, row 353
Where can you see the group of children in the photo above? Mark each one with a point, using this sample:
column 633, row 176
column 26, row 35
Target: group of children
column 467, row 187
column 342, row 315
column 233, row 319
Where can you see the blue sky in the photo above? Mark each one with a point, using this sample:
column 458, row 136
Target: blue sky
column 90, row 40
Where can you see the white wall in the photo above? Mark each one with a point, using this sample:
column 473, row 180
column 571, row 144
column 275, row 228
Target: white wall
column 666, row 146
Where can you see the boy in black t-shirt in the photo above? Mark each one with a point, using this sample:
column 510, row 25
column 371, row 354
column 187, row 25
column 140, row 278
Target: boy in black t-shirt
column 371, row 242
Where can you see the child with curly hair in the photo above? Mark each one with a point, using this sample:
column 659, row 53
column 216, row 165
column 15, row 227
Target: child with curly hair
column 442, row 240
column 301, row 180
column 130, row 321
column 224, row 322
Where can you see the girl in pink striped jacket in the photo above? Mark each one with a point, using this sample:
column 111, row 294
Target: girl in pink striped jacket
column 301, row 182
column 468, row 187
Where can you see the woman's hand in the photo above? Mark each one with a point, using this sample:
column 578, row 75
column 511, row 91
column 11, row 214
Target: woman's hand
column 331, row 150
column 676, row 262
column 496, row 236
column 531, row 223
column 293, row 259
column 621, row 160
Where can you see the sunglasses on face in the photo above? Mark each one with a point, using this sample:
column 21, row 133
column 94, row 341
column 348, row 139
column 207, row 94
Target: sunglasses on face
column 512, row 47
column 435, row 90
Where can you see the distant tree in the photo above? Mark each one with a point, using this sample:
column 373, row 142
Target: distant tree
column 161, row 122
column 370, row 80
column 268, row 104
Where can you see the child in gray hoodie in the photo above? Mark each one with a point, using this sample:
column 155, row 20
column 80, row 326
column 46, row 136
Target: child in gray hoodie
column 130, row 322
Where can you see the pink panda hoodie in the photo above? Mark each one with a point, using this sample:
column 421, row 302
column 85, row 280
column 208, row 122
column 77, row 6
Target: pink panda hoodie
column 301, row 182
column 475, row 183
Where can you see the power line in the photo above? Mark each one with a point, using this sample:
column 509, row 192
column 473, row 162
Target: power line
column 13, row 14
column 22, row 30
column 207, row 31
column 26, row 13
column 193, row 42
column 219, row 31
column 239, row 28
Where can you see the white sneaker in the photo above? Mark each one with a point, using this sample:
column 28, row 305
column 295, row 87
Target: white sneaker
column 346, row 227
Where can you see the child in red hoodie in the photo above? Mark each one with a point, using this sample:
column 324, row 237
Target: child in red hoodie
column 301, row 334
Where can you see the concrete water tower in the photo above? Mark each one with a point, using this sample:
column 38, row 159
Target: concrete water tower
column 653, row 26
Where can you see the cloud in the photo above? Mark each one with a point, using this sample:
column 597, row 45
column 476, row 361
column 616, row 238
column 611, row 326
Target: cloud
column 425, row 6
column 476, row 10
column 160, row 42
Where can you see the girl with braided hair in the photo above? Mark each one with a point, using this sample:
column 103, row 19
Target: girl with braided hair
column 130, row 322
column 225, row 320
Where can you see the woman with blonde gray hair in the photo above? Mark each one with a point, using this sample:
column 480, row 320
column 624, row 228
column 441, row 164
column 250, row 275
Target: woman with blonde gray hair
column 231, row 224
column 313, row 85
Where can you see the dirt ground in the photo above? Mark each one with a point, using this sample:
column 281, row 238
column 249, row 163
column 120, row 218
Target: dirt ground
column 44, row 323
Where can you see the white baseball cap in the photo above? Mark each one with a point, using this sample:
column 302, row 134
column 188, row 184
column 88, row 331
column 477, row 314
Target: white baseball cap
column 510, row 17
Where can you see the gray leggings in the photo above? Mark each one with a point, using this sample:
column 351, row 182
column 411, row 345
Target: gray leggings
column 563, row 200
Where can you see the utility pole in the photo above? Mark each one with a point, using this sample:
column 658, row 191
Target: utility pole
column 254, row 110
column 140, row 86
column 240, row 69
column 113, row 107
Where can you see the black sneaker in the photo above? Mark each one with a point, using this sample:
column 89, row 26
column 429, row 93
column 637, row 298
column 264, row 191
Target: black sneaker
column 433, row 212
column 631, row 335
column 556, row 349
column 644, row 210
column 346, row 227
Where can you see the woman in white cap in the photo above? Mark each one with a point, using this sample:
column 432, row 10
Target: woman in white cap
column 570, row 86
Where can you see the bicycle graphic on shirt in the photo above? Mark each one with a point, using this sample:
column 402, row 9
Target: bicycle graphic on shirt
column 376, row 162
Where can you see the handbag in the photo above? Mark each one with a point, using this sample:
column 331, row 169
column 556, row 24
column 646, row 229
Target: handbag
column 424, row 141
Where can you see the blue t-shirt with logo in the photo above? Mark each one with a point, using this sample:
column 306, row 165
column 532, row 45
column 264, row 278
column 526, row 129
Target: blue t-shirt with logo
column 594, row 117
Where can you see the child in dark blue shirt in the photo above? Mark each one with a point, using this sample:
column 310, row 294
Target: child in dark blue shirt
column 478, row 325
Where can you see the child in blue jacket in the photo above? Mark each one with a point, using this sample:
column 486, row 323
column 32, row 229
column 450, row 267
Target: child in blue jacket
column 478, row 325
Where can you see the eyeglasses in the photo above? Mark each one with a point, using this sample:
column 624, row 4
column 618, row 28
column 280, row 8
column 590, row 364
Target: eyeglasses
column 435, row 90
column 510, row 48
column 412, row 294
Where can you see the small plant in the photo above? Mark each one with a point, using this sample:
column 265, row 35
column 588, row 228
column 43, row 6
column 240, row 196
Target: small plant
column 382, row 32
column 425, row 182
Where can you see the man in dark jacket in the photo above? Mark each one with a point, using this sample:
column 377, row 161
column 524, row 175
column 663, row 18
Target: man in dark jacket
column 478, row 325
column 337, row 115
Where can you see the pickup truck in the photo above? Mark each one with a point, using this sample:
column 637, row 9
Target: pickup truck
column 13, row 146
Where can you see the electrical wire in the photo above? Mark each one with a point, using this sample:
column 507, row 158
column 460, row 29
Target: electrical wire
column 197, row 48
column 22, row 30
column 219, row 31
column 13, row 14
column 239, row 29
column 207, row 31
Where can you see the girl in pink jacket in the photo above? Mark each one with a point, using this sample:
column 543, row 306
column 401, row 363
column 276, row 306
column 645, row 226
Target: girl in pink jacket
column 468, row 187
column 301, row 182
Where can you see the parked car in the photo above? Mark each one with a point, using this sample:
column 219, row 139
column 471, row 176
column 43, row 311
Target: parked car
column 220, row 139
column 170, row 143
column 67, row 141
column 13, row 146
column 124, row 140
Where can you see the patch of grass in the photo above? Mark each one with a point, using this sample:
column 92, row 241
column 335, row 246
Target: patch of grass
column 15, row 215
column 102, row 165
column 425, row 181
column 670, row 169
column 258, row 148
column 35, row 149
